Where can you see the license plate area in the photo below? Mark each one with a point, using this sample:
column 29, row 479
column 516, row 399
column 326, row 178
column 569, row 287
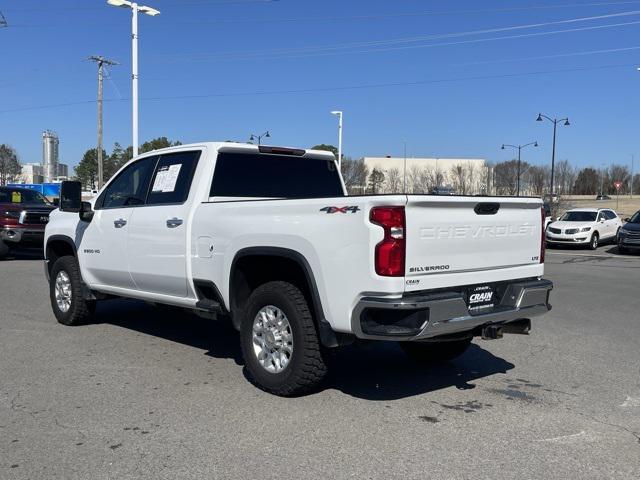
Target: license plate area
column 481, row 298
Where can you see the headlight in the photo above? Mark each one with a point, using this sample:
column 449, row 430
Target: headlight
column 622, row 232
column 585, row 229
column 15, row 215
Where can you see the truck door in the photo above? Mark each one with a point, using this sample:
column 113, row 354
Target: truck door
column 103, row 244
column 158, row 233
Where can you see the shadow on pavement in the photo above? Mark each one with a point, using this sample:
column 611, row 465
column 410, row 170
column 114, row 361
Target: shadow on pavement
column 371, row 370
column 24, row 254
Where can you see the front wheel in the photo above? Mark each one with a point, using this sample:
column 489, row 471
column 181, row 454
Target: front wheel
column 593, row 244
column 65, row 291
column 279, row 341
column 435, row 352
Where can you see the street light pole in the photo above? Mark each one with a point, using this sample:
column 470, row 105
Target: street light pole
column 259, row 137
column 519, row 147
column 135, row 8
column 339, row 114
column 553, row 149
column 134, row 76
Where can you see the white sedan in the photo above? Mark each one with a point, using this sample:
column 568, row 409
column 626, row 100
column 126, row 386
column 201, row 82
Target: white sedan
column 585, row 226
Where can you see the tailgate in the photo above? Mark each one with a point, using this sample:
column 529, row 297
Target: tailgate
column 449, row 237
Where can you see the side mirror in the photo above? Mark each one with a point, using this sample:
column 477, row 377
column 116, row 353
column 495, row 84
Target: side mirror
column 70, row 196
column 626, row 219
column 86, row 212
column 56, row 202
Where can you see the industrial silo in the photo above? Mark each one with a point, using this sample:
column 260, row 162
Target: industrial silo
column 50, row 155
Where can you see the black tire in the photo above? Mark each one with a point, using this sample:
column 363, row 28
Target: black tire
column 306, row 368
column 435, row 352
column 80, row 310
column 4, row 249
column 595, row 239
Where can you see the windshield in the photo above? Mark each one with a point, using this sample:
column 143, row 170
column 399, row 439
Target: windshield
column 579, row 217
column 22, row 196
column 635, row 218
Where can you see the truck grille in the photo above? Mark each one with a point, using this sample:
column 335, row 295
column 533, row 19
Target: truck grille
column 34, row 217
column 555, row 230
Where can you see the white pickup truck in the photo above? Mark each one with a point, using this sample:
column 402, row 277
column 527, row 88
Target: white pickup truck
column 268, row 237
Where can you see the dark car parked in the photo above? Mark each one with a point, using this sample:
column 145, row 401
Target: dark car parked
column 629, row 234
column 23, row 215
column 603, row 197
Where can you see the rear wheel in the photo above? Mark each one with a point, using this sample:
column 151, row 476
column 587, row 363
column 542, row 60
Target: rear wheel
column 65, row 291
column 279, row 341
column 435, row 352
column 595, row 239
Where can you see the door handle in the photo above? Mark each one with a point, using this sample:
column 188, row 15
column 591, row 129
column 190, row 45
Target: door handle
column 119, row 223
column 174, row 222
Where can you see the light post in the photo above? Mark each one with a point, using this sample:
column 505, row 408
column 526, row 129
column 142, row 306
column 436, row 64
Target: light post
column 519, row 147
column 553, row 149
column 339, row 114
column 135, row 8
column 259, row 137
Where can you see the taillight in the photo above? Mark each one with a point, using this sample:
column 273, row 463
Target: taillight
column 542, row 236
column 390, row 252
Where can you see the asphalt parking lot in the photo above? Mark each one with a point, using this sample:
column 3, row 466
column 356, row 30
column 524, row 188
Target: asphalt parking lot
column 155, row 394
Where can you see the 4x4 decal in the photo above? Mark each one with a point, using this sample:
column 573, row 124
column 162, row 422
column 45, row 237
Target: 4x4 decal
column 352, row 209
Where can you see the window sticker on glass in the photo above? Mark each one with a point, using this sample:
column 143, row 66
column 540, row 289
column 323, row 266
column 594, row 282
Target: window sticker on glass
column 16, row 197
column 166, row 178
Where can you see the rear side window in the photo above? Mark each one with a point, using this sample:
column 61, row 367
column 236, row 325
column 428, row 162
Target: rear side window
column 274, row 176
column 130, row 186
column 172, row 178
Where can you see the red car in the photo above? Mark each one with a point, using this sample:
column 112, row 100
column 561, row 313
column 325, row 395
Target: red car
column 23, row 215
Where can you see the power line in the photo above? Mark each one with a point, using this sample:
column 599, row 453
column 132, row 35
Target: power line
column 419, row 38
column 331, row 89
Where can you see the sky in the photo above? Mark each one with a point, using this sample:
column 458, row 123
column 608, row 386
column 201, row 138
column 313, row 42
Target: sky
column 449, row 79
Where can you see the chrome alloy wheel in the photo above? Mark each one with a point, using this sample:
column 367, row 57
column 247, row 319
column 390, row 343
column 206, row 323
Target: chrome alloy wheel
column 63, row 291
column 272, row 339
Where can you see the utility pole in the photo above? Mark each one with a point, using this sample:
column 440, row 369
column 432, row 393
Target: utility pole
column 631, row 186
column 101, row 61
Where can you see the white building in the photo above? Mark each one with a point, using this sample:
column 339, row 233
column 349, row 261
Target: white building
column 421, row 175
column 63, row 171
column 32, row 173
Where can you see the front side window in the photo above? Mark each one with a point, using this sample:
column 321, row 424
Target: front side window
column 130, row 187
column 274, row 176
column 172, row 178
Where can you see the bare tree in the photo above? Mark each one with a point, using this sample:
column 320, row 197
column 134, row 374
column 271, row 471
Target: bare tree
column 10, row 168
column 355, row 174
column 506, row 177
column 461, row 174
column 565, row 176
column 393, row 181
column 537, row 179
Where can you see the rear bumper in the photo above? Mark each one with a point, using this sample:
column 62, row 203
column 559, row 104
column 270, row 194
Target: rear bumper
column 425, row 316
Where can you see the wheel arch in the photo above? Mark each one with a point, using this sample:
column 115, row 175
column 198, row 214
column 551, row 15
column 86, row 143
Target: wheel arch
column 58, row 246
column 250, row 268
